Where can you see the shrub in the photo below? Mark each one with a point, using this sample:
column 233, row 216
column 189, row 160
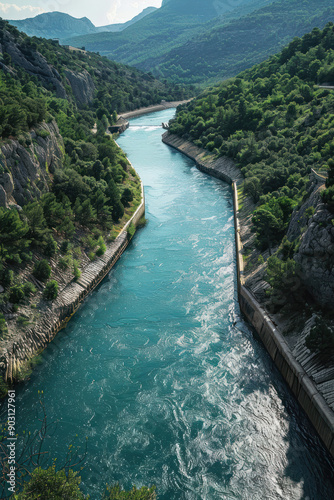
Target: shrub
column 76, row 270
column 3, row 325
column 42, row 270
column 65, row 262
column 50, row 247
column 16, row 294
column 52, row 484
column 29, row 288
column 91, row 256
column 43, row 133
column 51, row 290
column 102, row 247
column 116, row 493
column 22, row 321
column 131, row 230
column 321, row 337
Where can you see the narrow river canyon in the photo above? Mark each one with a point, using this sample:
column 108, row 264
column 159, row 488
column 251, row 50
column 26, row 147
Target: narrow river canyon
column 159, row 370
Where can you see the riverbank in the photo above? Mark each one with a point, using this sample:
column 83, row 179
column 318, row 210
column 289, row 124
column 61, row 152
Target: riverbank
column 16, row 353
column 300, row 383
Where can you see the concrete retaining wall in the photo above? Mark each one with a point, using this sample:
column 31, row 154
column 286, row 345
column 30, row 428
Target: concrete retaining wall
column 303, row 388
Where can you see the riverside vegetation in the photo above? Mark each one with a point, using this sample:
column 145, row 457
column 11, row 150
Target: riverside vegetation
column 277, row 124
column 64, row 190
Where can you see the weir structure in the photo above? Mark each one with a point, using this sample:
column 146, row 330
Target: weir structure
column 301, row 385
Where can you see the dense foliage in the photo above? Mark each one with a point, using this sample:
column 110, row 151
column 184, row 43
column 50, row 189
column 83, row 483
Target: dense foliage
column 58, row 485
column 226, row 48
column 174, row 42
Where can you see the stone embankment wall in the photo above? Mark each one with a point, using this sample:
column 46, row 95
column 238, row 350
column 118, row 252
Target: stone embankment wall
column 303, row 388
column 15, row 353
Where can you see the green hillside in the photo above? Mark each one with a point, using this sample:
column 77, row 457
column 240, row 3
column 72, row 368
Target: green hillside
column 225, row 50
column 60, row 25
column 277, row 124
column 54, row 25
column 155, row 35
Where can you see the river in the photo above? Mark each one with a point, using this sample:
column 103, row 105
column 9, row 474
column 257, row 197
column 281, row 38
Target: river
column 159, row 370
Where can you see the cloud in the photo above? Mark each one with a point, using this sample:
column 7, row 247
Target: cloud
column 12, row 10
column 112, row 12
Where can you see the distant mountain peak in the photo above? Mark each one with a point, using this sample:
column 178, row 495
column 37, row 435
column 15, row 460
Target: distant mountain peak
column 63, row 26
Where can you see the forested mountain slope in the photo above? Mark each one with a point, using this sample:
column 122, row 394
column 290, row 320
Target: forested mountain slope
column 226, row 49
column 278, row 125
column 63, row 188
column 171, row 25
column 62, row 26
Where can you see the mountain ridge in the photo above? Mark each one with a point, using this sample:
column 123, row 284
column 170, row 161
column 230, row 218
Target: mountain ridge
column 61, row 25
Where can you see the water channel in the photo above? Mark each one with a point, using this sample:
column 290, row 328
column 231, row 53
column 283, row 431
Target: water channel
column 159, row 370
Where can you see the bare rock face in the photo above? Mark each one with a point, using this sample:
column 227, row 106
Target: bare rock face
column 27, row 168
column 3, row 198
column 82, row 86
column 33, row 63
column 315, row 255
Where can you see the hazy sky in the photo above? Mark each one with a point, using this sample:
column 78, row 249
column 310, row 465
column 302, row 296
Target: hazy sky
column 100, row 12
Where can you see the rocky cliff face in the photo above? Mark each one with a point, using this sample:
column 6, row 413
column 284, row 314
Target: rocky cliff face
column 315, row 255
column 35, row 64
column 82, row 86
column 32, row 62
column 26, row 165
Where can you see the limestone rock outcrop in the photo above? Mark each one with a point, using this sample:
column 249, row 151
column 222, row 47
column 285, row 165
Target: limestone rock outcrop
column 315, row 255
column 82, row 86
column 26, row 167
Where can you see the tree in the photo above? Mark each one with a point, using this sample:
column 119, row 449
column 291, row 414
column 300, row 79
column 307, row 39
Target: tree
column 84, row 212
column 42, row 270
column 7, row 59
column 51, row 246
column 12, row 232
column 18, row 293
column 36, row 220
column 267, row 226
column 3, row 325
column 51, row 290
column 127, row 197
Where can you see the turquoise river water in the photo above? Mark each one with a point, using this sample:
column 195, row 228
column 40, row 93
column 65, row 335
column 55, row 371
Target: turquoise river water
column 159, row 370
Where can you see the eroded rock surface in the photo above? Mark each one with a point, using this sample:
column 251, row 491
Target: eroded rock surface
column 27, row 168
